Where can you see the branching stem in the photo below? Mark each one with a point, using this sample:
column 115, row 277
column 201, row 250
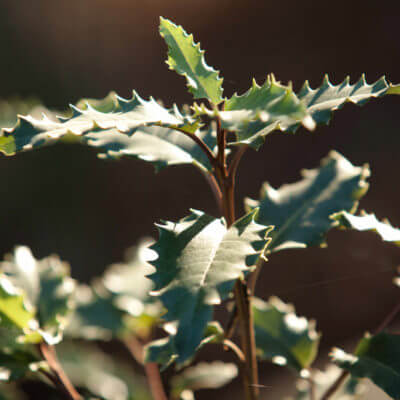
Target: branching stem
column 226, row 181
column 58, row 376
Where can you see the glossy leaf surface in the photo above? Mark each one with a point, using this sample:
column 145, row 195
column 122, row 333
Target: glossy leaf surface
column 377, row 358
column 301, row 211
column 322, row 101
column 48, row 288
column 187, row 59
column 199, row 259
column 281, row 336
column 126, row 117
column 160, row 146
column 368, row 222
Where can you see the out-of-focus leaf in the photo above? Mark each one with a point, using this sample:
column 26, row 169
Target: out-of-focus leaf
column 160, row 146
column 9, row 391
column 301, row 211
column 162, row 351
column 126, row 117
column 368, row 222
column 321, row 102
column 377, row 358
column 351, row 389
column 15, row 364
column 199, row 260
column 96, row 317
column 119, row 302
column 186, row 58
column 282, row 336
column 48, row 288
column 91, row 369
column 203, row 376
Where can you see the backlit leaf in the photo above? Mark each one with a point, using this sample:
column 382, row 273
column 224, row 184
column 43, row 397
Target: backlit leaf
column 199, row 260
column 281, row 336
column 160, row 146
column 368, row 222
column 187, row 59
column 126, row 117
column 301, row 211
column 377, row 358
column 322, row 101
column 48, row 288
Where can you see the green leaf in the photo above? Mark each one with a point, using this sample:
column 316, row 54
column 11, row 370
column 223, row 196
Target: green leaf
column 351, row 389
column 187, row 59
column 126, row 117
column 16, row 364
column 93, row 370
column 377, row 358
column 199, row 259
column 203, row 376
column 160, row 146
column 162, row 351
column 393, row 89
column 96, row 317
column 48, row 289
column 281, row 336
column 119, row 301
column 301, row 211
column 368, row 222
column 321, row 102
column 263, row 109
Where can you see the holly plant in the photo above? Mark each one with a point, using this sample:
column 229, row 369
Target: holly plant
column 177, row 281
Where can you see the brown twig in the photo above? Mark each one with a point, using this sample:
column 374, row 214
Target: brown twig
column 135, row 348
column 59, row 377
column 229, row 345
column 335, row 386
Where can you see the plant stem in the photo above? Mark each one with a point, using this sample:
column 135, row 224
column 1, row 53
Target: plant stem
column 59, row 377
column 152, row 371
column 335, row 386
column 226, row 180
column 232, row 346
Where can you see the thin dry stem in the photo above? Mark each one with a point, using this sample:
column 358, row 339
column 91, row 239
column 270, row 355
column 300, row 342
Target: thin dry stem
column 58, row 377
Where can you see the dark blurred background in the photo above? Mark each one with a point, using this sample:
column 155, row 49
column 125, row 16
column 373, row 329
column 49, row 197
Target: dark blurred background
column 63, row 199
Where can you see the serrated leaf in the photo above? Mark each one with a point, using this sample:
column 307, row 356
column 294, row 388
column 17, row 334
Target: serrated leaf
column 281, row 336
column 103, row 376
column 160, row 146
column 263, row 109
column 321, row 102
column 368, row 222
column 199, row 259
column 301, row 211
column 126, row 117
column 162, row 351
column 377, row 358
column 48, row 289
column 351, row 389
column 187, row 59
column 203, row 376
